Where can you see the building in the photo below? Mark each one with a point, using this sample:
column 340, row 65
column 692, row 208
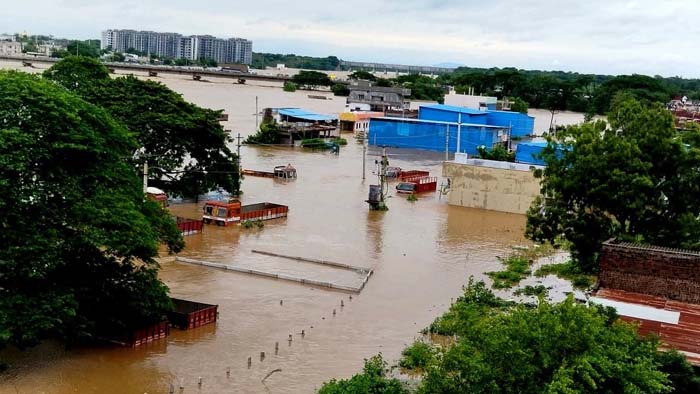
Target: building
column 493, row 185
column 177, row 46
column 357, row 121
column 471, row 101
column 655, row 287
column 9, row 47
column 378, row 98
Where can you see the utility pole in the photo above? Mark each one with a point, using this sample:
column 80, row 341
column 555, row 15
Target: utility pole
column 382, row 175
column 256, row 113
column 145, row 177
column 459, row 131
column 447, row 142
column 238, row 149
column 364, row 156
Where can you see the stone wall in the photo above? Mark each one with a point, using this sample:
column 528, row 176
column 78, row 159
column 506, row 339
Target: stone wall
column 661, row 272
column 496, row 186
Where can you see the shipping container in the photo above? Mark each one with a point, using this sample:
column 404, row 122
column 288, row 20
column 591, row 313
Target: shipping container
column 224, row 213
column 412, row 173
column 189, row 226
column 143, row 335
column 187, row 315
column 417, row 184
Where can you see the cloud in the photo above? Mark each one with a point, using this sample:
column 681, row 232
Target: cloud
column 601, row 36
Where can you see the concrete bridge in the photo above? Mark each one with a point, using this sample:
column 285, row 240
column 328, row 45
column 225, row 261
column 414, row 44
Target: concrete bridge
column 152, row 70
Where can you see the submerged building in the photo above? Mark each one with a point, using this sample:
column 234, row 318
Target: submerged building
column 450, row 128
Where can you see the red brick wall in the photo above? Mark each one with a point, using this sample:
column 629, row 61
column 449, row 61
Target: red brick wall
column 661, row 272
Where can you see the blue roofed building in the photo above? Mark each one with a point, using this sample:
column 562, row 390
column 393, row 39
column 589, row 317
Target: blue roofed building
column 442, row 127
column 529, row 152
column 296, row 124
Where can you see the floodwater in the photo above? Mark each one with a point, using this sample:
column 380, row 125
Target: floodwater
column 421, row 252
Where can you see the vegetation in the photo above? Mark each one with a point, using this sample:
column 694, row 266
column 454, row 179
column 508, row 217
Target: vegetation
column 373, row 380
column 262, row 60
column 517, row 269
column 634, row 179
column 339, row 141
column 340, row 89
column 315, row 143
column 518, row 105
column 289, row 86
column 412, row 197
column 422, row 87
column 533, row 291
column 79, row 238
column 312, row 79
column 87, row 48
column 502, row 347
column 362, row 75
column 267, row 134
column 182, row 142
column 418, row 356
column 248, row 224
column 569, row 272
column 498, row 153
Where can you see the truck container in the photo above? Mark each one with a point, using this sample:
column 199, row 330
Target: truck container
column 187, row 315
column 412, row 173
column 143, row 335
column 417, row 185
column 188, row 226
column 224, row 213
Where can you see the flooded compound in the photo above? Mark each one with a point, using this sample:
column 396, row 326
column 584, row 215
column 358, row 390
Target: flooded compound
column 420, row 254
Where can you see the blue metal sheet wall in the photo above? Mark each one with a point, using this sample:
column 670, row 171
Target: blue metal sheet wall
column 431, row 136
column 441, row 115
column 529, row 152
column 522, row 124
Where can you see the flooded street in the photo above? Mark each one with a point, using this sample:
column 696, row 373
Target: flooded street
column 421, row 252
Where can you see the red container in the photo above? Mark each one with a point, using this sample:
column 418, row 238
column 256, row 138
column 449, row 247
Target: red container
column 189, row 226
column 142, row 336
column 405, row 175
column 189, row 314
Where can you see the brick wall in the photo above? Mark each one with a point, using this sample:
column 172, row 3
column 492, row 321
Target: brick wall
column 661, row 272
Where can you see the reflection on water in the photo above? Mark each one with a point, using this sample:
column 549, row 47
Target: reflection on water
column 422, row 253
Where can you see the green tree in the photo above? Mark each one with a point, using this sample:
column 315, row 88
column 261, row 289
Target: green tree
column 269, row 133
column 78, row 237
column 518, row 105
column 182, row 142
column 372, row 380
column 498, row 153
column 633, row 179
column 312, row 79
column 340, row 89
column 641, row 87
column 564, row 348
column 362, row 75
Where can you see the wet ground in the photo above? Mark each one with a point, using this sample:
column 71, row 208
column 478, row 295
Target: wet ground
column 421, row 252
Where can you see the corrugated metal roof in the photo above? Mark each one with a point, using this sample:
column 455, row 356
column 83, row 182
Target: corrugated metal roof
column 411, row 120
column 453, row 108
column 684, row 335
column 304, row 114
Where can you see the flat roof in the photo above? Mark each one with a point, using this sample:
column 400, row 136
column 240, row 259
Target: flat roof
column 304, row 114
column 454, row 108
column 412, row 120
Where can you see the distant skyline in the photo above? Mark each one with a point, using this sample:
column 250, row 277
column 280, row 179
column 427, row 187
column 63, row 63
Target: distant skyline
column 595, row 36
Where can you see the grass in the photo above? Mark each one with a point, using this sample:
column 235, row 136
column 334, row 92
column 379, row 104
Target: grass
column 569, row 272
column 518, row 266
column 289, row 87
column 412, row 198
column 418, row 356
column 533, row 291
column 517, row 269
column 252, row 224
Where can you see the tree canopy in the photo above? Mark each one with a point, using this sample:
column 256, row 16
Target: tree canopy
column 78, row 238
column 182, row 142
column 634, row 179
column 312, row 79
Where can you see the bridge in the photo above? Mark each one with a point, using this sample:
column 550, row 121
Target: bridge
column 196, row 72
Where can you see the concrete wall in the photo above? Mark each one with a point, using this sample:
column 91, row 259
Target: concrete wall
column 496, row 186
column 660, row 272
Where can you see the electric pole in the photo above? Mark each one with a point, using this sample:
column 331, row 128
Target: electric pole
column 256, row 113
column 145, row 177
column 447, row 142
column 364, row 156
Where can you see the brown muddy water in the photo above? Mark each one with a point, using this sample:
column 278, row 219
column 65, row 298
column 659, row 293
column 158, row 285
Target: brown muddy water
column 421, row 252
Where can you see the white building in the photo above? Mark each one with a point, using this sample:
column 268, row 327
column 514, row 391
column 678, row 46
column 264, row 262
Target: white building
column 174, row 45
column 10, row 48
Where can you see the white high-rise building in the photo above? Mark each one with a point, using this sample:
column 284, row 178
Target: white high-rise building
column 174, row 46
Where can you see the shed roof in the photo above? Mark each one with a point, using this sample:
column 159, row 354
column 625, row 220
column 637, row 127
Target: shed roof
column 424, row 121
column 305, row 114
column 454, row 108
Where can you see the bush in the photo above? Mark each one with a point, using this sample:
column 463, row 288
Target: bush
column 417, row 356
column 517, row 269
column 289, row 87
column 252, row 224
column 372, row 380
column 412, row 197
column 567, row 271
column 268, row 134
column 340, row 89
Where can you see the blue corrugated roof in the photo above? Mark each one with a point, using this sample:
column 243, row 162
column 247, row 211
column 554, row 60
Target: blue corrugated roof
column 413, row 120
column 304, row 114
column 453, row 108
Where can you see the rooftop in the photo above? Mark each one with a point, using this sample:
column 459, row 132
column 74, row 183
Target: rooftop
column 305, row 114
column 677, row 324
column 412, row 120
column 454, row 108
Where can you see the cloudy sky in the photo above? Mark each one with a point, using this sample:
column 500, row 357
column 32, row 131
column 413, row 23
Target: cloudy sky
column 596, row 36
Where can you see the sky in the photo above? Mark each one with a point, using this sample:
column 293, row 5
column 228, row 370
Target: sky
column 657, row 37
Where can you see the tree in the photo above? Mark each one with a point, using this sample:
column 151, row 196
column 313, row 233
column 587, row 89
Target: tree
column 183, row 142
column 518, row 105
column 641, row 87
column 633, row 179
column 564, row 348
column 312, row 79
column 78, row 237
column 372, row 380
column 362, row 75
column 498, row 153
column 340, row 89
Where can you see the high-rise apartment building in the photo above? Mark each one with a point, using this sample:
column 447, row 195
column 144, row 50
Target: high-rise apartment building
column 174, row 45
